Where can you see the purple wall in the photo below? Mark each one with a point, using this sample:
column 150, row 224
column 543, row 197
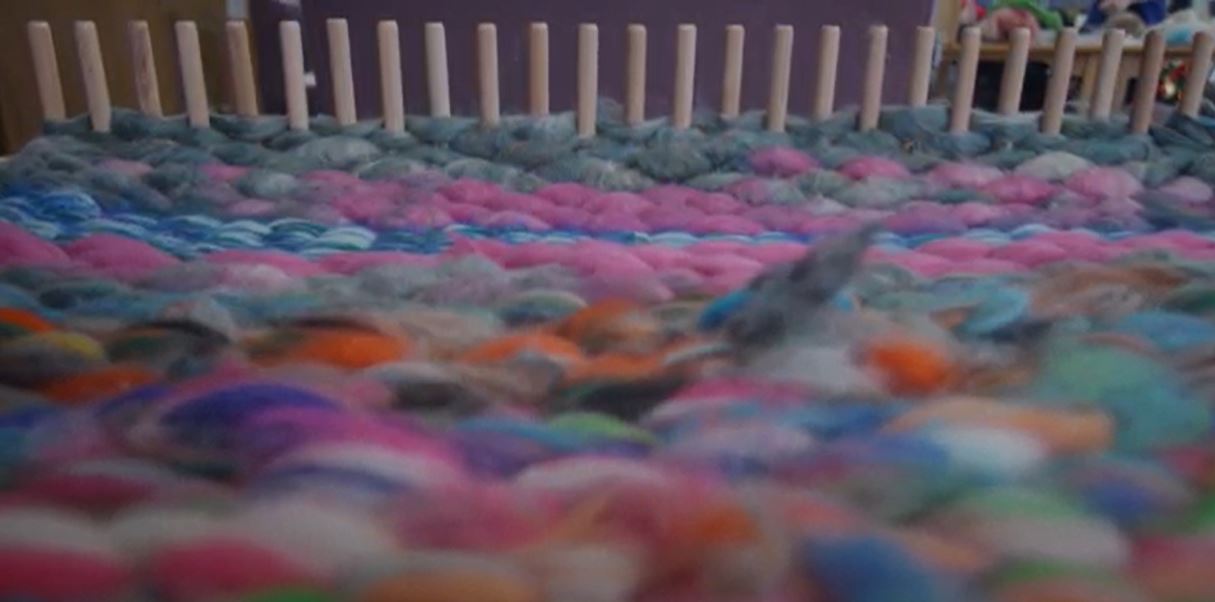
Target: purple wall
column 660, row 16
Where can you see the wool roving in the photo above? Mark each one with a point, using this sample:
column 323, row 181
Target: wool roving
column 512, row 364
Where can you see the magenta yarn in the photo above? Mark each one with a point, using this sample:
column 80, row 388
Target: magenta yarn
column 957, row 249
column 52, row 575
column 218, row 568
column 1020, row 189
column 1029, row 253
column 1188, row 189
column 516, row 219
column 670, row 218
column 717, row 202
column 467, row 212
column 470, row 191
column 18, row 247
column 669, row 194
column 118, row 257
column 567, row 193
column 781, row 162
column 1104, row 183
column 964, row 175
column 724, row 224
column 364, row 207
column 625, row 202
column 862, row 168
column 661, row 257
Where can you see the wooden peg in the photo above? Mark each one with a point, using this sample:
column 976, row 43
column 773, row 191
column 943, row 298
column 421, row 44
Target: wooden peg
column 828, row 65
column 537, row 72
column 240, row 59
column 875, row 73
column 92, row 67
column 635, row 74
column 436, row 70
column 293, row 75
column 782, row 64
column 189, row 56
column 46, row 71
column 685, row 76
column 1107, row 74
column 392, row 92
column 1200, row 70
column 964, row 93
column 1014, row 72
column 341, row 71
column 1127, row 69
column 921, row 66
column 1150, row 65
column 143, row 63
column 588, row 78
column 487, row 74
column 1060, row 80
column 732, row 72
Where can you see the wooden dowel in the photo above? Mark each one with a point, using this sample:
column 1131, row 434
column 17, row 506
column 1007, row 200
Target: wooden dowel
column 1126, row 70
column 921, row 66
column 537, row 72
column 588, row 78
column 828, row 65
column 341, row 71
column 1014, row 72
column 46, row 71
column 964, row 93
column 189, row 56
column 782, row 64
column 487, row 74
column 1149, row 80
column 1088, row 78
column 1060, row 80
column 875, row 73
column 1107, row 74
column 143, row 63
column 436, row 70
column 293, row 75
column 685, row 76
column 92, row 67
column 635, row 75
column 240, row 59
column 732, row 71
column 392, row 91
column 1196, row 79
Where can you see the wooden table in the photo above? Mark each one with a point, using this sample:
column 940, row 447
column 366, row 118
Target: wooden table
column 1088, row 55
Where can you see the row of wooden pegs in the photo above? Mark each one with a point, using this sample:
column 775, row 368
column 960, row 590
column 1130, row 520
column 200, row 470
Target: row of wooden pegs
column 190, row 65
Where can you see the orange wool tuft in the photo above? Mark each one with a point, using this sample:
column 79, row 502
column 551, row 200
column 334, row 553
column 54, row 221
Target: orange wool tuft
column 721, row 524
column 616, row 366
column 586, row 320
column 25, row 319
column 910, row 367
column 505, row 348
column 350, row 349
column 98, row 384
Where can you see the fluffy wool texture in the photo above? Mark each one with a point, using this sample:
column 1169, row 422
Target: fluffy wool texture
column 510, row 364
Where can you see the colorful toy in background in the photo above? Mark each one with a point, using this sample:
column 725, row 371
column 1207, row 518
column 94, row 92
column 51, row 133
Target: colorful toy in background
column 1000, row 18
column 1132, row 16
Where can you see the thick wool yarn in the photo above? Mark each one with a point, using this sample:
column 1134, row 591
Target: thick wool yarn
column 510, row 364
